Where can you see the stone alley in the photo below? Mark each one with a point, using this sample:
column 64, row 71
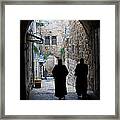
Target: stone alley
column 47, row 91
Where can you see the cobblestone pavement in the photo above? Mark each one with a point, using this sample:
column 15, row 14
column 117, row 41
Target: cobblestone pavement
column 47, row 91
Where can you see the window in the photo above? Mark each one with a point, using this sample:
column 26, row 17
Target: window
column 54, row 40
column 47, row 40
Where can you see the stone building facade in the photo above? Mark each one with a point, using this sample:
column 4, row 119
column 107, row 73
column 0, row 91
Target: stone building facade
column 53, row 34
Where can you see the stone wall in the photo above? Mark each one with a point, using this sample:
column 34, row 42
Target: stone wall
column 78, row 47
column 53, row 28
column 28, row 67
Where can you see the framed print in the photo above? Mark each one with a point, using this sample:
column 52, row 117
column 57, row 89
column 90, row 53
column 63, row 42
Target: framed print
column 60, row 59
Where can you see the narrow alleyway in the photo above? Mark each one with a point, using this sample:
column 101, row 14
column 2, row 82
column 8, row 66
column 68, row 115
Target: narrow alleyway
column 46, row 41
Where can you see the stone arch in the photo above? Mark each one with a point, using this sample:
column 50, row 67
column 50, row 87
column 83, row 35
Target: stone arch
column 85, row 34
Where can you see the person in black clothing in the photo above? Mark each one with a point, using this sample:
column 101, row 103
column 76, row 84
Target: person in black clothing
column 81, row 73
column 45, row 74
column 59, row 73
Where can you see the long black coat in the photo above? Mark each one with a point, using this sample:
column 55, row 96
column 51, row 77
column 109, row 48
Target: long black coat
column 59, row 73
column 81, row 72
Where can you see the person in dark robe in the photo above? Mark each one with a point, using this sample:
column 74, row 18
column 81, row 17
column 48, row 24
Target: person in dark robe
column 81, row 72
column 45, row 74
column 59, row 73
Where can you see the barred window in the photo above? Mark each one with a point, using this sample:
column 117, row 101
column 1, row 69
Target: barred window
column 47, row 40
column 54, row 40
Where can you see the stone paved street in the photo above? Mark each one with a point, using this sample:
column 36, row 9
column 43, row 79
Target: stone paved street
column 46, row 92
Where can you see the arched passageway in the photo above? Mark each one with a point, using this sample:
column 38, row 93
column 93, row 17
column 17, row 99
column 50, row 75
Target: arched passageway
column 70, row 40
